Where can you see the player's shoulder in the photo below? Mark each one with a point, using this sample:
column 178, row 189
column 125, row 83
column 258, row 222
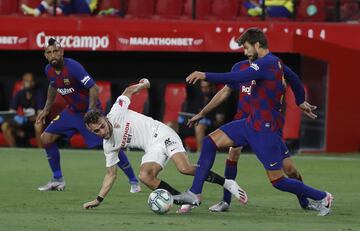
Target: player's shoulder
column 71, row 62
column 237, row 66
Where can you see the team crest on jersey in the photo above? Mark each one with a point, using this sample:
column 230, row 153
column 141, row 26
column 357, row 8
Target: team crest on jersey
column 66, row 82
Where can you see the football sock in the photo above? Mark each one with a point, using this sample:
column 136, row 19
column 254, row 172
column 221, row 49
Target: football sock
column 303, row 201
column 42, row 7
column 166, row 186
column 205, row 162
column 215, row 178
column 125, row 165
column 298, row 188
column 230, row 173
column 53, row 155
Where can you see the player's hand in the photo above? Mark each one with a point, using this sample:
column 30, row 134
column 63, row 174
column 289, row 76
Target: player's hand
column 195, row 76
column 145, row 82
column 41, row 117
column 308, row 109
column 91, row 204
column 194, row 120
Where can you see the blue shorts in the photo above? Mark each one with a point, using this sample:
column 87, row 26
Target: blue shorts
column 268, row 146
column 67, row 123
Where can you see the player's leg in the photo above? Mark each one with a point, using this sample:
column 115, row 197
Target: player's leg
column 39, row 128
column 45, row 5
column 230, row 173
column 291, row 172
column 126, row 167
column 226, row 136
column 8, row 133
column 62, row 125
column 269, row 153
column 200, row 131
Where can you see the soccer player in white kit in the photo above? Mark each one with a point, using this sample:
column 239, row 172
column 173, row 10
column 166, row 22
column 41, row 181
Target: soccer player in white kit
column 124, row 128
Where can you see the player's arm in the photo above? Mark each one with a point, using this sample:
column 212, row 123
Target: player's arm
column 109, row 179
column 256, row 71
column 299, row 92
column 129, row 91
column 51, row 94
column 218, row 98
column 93, row 96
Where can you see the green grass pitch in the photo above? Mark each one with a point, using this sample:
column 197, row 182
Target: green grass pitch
column 22, row 207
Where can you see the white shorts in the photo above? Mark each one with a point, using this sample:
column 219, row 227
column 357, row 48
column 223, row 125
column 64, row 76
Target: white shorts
column 165, row 144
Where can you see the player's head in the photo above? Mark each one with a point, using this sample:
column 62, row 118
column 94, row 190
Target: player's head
column 206, row 88
column 97, row 123
column 28, row 80
column 253, row 39
column 54, row 53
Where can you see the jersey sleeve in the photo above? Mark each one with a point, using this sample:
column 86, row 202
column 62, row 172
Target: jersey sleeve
column 294, row 81
column 257, row 70
column 111, row 158
column 121, row 105
column 79, row 72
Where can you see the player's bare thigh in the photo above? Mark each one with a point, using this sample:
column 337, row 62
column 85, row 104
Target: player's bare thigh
column 48, row 138
column 148, row 174
column 182, row 163
column 220, row 139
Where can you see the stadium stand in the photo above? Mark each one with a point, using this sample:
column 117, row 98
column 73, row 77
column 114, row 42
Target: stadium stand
column 8, row 7
column 168, row 9
column 224, row 9
column 175, row 95
column 139, row 101
column 311, row 10
column 202, row 12
column 140, row 9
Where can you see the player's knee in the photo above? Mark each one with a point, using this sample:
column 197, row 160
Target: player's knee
column 234, row 154
column 45, row 139
column 187, row 170
column 146, row 177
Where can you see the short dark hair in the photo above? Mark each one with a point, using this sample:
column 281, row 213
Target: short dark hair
column 252, row 36
column 53, row 42
column 92, row 117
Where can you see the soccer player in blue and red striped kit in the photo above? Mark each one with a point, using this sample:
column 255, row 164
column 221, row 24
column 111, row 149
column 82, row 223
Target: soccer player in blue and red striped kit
column 261, row 129
column 69, row 78
column 243, row 111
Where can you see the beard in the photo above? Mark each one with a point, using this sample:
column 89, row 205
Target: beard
column 254, row 57
column 55, row 63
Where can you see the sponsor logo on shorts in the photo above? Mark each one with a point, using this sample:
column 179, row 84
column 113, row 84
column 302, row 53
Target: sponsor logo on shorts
column 273, row 164
column 168, row 142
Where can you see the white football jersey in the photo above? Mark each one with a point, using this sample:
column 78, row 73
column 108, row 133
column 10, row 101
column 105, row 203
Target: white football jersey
column 130, row 129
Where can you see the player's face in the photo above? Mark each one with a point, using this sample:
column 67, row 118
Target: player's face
column 54, row 54
column 101, row 128
column 250, row 51
column 28, row 81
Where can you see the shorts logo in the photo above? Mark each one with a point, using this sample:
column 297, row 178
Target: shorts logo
column 56, row 118
column 273, row 164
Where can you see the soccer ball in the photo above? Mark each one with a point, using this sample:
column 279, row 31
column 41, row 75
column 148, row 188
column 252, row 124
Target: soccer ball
column 160, row 201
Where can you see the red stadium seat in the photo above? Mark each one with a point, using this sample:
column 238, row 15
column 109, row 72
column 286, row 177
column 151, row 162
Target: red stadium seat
column 349, row 10
column 30, row 3
column 104, row 93
column 311, row 10
column 224, row 9
column 170, row 9
column 140, row 9
column 291, row 129
column 175, row 95
column 190, row 143
column 138, row 101
column 108, row 4
column 203, row 8
column 8, row 7
column 3, row 142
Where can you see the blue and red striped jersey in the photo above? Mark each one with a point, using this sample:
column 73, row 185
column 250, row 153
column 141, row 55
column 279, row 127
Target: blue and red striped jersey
column 266, row 96
column 73, row 83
